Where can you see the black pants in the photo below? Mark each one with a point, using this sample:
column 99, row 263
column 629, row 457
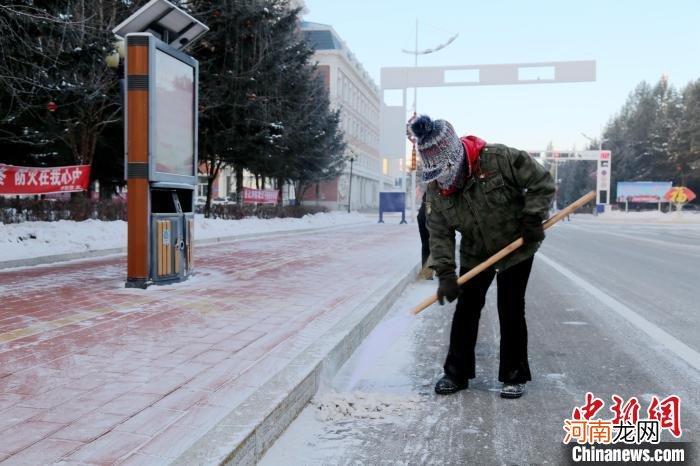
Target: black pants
column 424, row 233
column 512, row 283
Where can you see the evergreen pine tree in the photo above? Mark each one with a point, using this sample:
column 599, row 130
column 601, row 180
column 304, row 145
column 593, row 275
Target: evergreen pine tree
column 262, row 108
column 686, row 140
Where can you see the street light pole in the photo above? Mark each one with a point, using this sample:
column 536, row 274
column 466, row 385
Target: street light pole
column 556, row 184
column 415, row 64
column 352, row 159
column 414, row 214
column 600, row 143
column 415, row 54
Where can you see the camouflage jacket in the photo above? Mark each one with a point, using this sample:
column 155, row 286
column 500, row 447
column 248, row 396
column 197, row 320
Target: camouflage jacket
column 488, row 210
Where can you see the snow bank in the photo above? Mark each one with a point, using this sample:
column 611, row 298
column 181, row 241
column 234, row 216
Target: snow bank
column 216, row 228
column 333, row 406
column 36, row 239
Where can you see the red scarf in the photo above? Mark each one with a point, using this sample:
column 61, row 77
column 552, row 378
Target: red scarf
column 472, row 149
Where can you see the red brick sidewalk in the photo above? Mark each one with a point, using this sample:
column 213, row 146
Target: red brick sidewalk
column 93, row 373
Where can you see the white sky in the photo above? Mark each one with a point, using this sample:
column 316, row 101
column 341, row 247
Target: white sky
column 630, row 40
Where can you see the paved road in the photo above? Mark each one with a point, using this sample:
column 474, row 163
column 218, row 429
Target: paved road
column 612, row 309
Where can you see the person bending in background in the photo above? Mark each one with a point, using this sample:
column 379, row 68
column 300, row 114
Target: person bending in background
column 491, row 194
column 426, row 273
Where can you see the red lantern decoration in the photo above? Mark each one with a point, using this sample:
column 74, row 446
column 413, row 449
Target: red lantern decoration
column 409, row 134
column 216, row 14
column 413, row 158
column 51, row 107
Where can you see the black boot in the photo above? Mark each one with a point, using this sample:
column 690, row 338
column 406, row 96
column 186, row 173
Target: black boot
column 512, row 390
column 448, row 385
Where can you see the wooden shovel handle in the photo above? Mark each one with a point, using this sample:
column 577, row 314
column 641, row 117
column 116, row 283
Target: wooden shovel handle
column 507, row 250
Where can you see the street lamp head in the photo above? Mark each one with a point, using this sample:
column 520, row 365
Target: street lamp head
column 433, row 50
column 112, row 60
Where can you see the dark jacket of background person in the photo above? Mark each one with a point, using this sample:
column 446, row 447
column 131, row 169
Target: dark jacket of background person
column 424, row 233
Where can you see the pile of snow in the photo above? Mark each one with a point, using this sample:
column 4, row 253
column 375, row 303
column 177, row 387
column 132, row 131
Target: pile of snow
column 334, row 406
column 37, row 239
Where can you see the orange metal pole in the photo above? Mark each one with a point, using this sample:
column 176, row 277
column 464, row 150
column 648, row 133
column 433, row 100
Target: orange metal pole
column 137, row 158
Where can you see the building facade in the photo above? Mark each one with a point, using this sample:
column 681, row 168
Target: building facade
column 351, row 90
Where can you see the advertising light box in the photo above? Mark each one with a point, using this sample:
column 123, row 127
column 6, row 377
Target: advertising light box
column 642, row 191
column 174, row 131
column 173, row 118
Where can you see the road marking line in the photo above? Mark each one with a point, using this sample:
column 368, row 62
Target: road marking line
column 682, row 350
column 639, row 238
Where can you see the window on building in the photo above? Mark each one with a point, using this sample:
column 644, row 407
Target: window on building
column 202, row 189
column 230, row 184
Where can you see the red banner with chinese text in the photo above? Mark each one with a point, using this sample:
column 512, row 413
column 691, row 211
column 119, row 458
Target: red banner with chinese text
column 262, row 196
column 43, row 180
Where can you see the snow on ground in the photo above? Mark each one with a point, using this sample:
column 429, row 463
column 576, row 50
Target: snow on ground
column 649, row 216
column 375, row 387
column 37, row 239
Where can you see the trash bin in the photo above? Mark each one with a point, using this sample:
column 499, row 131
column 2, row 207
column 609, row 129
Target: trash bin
column 172, row 234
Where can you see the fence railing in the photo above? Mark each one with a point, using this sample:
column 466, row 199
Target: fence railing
column 79, row 208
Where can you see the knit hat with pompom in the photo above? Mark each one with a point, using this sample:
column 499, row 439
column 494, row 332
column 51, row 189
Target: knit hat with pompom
column 440, row 150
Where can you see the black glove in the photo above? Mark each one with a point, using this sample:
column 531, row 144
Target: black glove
column 448, row 289
column 532, row 230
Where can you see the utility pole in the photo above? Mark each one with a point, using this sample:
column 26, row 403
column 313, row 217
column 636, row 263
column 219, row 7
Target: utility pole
column 556, row 183
column 415, row 52
column 352, row 159
column 413, row 151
